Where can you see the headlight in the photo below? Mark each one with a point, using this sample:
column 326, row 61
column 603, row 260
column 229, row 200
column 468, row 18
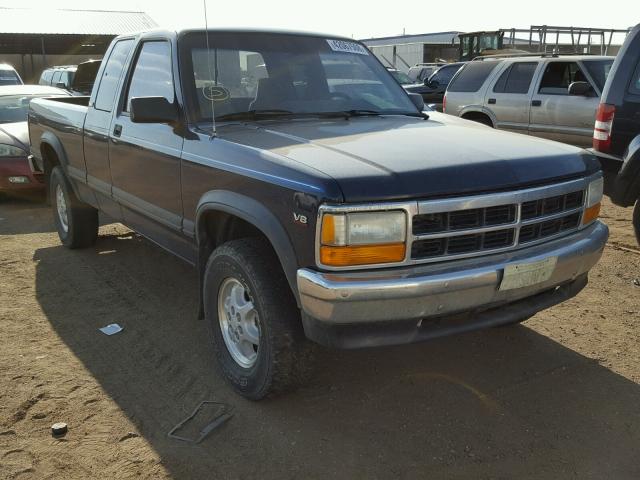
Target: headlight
column 11, row 151
column 363, row 238
column 594, row 197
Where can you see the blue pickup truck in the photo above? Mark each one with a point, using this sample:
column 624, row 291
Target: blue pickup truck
column 318, row 200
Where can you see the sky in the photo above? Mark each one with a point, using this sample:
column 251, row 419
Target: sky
column 365, row 19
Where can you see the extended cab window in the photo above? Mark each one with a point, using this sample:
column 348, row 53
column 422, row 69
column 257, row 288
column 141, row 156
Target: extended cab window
column 516, row 79
column 152, row 76
column 106, row 95
column 558, row 76
column 472, row 76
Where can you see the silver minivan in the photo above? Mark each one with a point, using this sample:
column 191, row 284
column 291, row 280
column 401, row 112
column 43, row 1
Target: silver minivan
column 549, row 96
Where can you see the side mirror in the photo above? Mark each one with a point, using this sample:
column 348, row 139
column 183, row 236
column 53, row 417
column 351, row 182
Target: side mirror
column 417, row 100
column 432, row 84
column 61, row 85
column 152, row 110
column 580, row 89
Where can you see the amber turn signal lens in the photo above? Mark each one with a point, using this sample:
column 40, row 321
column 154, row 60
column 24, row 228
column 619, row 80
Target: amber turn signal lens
column 591, row 214
column 361, row 254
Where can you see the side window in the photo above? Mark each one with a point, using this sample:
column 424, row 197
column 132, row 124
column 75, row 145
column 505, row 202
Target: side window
column 444, row 75
column 472, row 76
column 634, row 87
column 152, row 76
column 56, row 78
column 558, row 76
column 111, row 75
column 516, row 79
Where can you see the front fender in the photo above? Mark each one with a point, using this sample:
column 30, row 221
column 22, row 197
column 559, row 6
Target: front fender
column 627, row 183
column 257, row 215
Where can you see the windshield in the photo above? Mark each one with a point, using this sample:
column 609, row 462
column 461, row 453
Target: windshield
column 14, row 108
column 401, row 78
column 599, row 70
column 285, row 74
column 9, row 77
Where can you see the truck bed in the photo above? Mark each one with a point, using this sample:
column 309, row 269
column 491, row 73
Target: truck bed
column 62, row 116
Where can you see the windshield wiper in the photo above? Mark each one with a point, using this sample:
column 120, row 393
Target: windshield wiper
column 367, row 113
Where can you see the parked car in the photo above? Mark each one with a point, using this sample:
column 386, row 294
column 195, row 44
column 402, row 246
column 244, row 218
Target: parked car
column 15, row 171
column 401, row 77
column 433, row 88
column 421, row 71
column 59, row 76
column 9, row 76
column 547, row 96
column 314, row 209
column 84, row 77
column 616, row 136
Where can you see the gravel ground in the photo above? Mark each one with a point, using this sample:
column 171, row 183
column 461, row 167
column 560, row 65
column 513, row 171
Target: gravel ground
column 556, row 397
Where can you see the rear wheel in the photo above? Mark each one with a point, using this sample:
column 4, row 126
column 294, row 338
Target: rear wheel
column 255, row 324
column 76, row 221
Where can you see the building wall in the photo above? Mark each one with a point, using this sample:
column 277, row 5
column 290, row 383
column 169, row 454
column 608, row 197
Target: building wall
column 31, row 66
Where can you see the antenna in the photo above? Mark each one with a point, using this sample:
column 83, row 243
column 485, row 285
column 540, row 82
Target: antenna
column 213, row 111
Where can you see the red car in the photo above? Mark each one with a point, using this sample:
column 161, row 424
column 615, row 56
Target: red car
column 15, row 171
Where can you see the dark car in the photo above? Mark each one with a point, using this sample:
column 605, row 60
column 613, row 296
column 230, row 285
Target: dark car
column 314, row 196
column 434, row 87
column 15, row 171
column 84, row 77
column 616, row 136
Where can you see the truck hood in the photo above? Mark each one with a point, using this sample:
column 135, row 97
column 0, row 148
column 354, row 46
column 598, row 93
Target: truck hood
column 392, row 157
column 15, row 134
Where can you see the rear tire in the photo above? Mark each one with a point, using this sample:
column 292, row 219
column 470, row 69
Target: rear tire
column 483, row 119
column 255, row 324
column 76, row 221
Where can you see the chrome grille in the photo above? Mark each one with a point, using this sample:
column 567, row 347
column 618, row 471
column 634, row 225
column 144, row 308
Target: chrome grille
column 539, row 215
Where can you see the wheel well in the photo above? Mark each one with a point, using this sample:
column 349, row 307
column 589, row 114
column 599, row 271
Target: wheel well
column 215, row 228
column 49, row 159
column 478, row 117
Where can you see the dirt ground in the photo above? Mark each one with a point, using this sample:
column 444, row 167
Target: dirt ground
column 557, row 397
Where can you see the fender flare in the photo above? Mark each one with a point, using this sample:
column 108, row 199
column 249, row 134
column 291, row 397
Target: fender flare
column 256, row 214
column 478, row 109
column 55, row 143
column 626, row 188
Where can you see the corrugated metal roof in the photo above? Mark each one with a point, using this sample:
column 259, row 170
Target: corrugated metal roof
column 72, row 22
column 434, row 38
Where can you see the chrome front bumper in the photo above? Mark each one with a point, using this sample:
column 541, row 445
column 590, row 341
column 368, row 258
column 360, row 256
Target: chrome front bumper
column 437, row 290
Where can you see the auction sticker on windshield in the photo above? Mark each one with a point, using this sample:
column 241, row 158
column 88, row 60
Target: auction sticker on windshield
column 347, row 47
column 521, row 275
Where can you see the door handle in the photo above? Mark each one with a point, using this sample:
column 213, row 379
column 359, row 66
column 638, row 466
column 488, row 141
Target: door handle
column 536, row 103
column 117, row 130
column 492, row 101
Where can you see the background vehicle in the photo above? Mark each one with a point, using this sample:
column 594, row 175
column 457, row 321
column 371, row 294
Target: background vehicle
column 59, row 77
column 421, row 71
column 84, row 77
column 433, row 88
column 15, row 171
column 9, row 76
column 616, row 136
column 552, row 97
column 325, row 205
column 401, row 77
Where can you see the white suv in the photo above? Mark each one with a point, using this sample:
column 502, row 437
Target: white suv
column 553, row 97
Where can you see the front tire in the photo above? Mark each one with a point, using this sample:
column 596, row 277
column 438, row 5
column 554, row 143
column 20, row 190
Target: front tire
column 255, row 324
column 76, row 221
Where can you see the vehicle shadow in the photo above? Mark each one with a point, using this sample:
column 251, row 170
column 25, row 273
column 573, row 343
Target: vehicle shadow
column 501, row 403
